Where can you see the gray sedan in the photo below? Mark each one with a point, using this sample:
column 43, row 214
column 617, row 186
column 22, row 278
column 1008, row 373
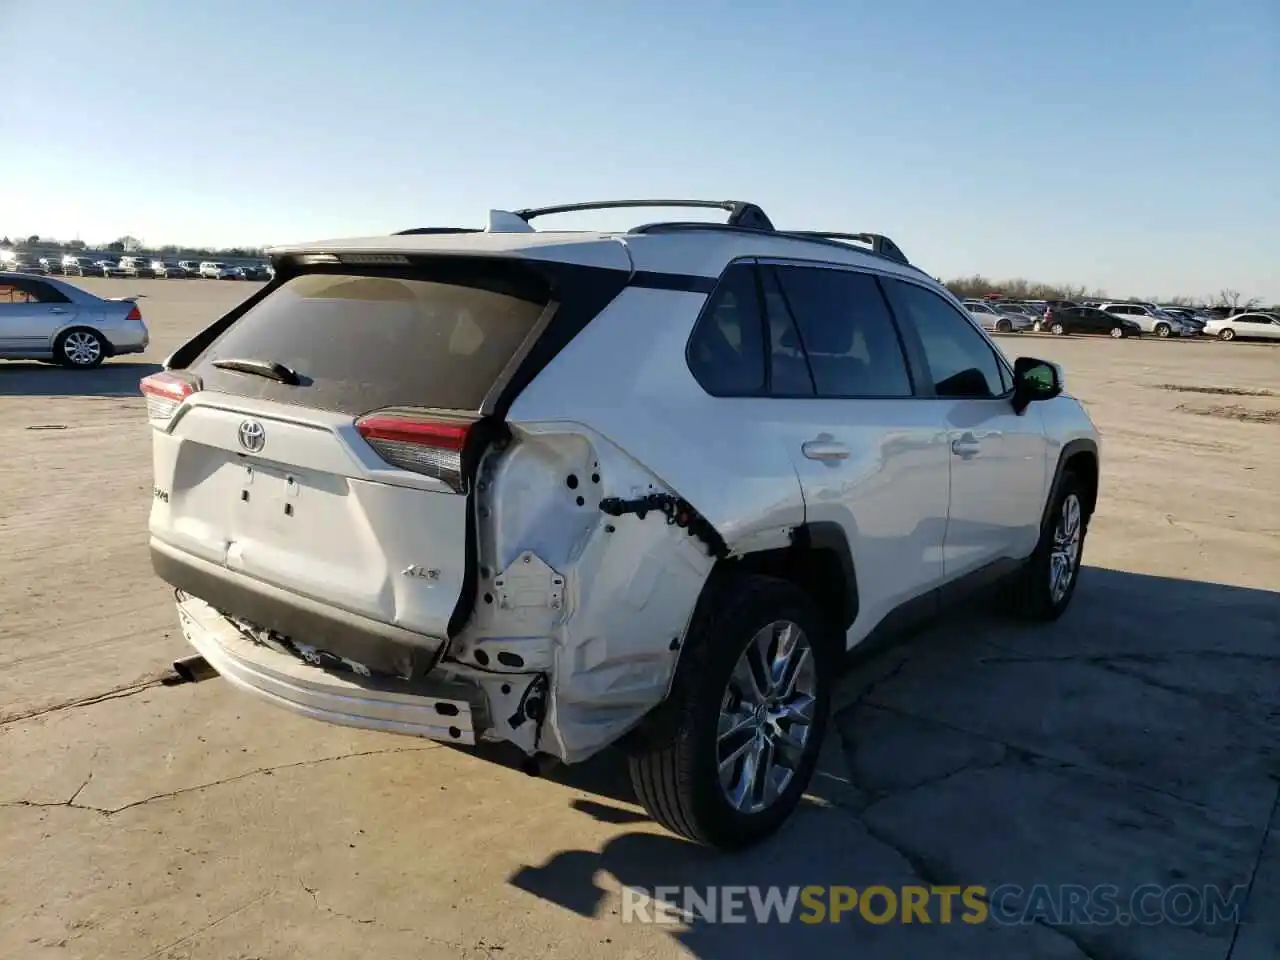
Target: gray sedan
column 54, row 321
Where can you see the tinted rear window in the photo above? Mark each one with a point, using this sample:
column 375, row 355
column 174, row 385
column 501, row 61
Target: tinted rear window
column 360, row 343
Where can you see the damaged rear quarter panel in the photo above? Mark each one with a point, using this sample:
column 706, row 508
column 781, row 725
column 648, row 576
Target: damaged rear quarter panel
column 599, row 602
column 621, row 396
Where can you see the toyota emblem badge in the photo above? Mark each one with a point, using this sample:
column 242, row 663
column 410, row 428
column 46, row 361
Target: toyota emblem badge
column 253, row 436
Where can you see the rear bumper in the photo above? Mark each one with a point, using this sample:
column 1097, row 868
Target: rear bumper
column 382, row 647
column 440, row 710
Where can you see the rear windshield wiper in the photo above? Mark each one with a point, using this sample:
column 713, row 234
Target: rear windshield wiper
column 262, row 368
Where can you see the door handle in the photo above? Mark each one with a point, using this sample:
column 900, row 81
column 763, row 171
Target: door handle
column 966, row 446
column 826, row 450
column 57, row 310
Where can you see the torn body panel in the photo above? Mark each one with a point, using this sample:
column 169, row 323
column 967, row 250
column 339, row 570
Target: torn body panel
column 594, row 602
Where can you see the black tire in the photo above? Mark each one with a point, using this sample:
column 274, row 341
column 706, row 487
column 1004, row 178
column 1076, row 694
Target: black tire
column 673, row 756
column 1163, row 330
column 1227, row 334
column 1117, row 333
column 1057, row 329
column 1030, row 595
column 80, row 360
column 1004, row 326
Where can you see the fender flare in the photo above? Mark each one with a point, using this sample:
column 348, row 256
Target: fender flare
column 829, row 535
column 1069, row 450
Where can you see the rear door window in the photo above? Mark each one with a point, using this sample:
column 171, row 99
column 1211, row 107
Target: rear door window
column 846, row 330
column 364, row 342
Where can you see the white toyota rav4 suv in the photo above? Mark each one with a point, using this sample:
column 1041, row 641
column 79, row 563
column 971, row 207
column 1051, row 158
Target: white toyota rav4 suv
column 568, row 489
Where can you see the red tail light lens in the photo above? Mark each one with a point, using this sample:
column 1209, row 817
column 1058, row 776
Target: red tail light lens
column 165, row 393
column 429, row 444
column 134, row 314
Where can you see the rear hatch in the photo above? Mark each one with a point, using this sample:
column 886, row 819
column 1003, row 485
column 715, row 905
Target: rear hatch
column 321, row 445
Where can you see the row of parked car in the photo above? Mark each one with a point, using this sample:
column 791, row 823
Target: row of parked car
column 1120, row 319
column 136, row 266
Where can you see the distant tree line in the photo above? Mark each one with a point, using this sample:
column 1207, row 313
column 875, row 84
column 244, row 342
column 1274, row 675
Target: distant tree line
column 129, row 244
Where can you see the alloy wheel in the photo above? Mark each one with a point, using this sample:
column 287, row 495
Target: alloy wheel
column 1064, row 555
column 82, row 348
column 766, row 717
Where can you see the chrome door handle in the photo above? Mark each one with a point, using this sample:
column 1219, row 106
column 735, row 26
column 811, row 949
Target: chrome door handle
column 826, row 450
column 57, row 310
column 966, row 446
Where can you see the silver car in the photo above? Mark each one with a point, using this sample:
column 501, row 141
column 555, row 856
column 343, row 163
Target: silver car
column 46, row 319
column 991, row 316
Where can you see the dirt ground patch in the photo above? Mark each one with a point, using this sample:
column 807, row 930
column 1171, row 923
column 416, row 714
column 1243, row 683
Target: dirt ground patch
column 1223, row 391
column 1134, row 742
column 1233, row 412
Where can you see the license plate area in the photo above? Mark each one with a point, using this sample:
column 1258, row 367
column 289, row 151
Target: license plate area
column 268, row 499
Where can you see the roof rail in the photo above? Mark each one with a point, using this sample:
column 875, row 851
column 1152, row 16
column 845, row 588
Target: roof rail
column 879, row 243
column 741, row 213
column 423, row 230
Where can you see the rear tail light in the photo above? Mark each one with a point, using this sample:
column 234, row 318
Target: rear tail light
column 135, row 314
column 429, row 444
column 165, row 393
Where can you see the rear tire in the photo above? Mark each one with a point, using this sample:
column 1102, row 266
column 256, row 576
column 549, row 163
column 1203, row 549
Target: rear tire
column 1117, row 333
column 691, row 760
column 1227, row 334
column 1057, row 329
column 1004, row 326
column 1039, row 592
column 80, row 348
column 1163, row 330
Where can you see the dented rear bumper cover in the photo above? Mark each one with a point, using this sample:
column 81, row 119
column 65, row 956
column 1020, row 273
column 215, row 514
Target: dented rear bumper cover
column 432, row 708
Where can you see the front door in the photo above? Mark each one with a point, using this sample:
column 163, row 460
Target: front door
column 997, row 456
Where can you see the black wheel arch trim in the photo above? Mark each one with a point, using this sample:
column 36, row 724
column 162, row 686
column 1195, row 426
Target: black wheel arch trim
column 829, row 535
column 1070, row 449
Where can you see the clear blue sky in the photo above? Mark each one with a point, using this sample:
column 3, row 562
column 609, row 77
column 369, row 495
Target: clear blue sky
column 1128, row 144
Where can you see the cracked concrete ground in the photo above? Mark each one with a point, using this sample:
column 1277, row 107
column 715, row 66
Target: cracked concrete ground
column 1134, row 742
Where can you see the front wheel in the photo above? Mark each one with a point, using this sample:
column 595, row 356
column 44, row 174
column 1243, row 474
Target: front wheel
column 1163, row 330
column 1045, row 585
column 1227, row 334
column 725, row 760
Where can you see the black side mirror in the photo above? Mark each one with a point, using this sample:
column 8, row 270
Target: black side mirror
column 1034, row 380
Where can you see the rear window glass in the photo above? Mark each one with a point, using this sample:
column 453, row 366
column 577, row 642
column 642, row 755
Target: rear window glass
column 360, row 343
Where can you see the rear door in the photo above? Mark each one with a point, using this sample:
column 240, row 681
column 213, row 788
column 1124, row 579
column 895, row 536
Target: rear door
column 343, row 480
column 870, row 454
column 31, row 312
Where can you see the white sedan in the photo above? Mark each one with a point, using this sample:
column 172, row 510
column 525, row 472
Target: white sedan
column 1254, row 326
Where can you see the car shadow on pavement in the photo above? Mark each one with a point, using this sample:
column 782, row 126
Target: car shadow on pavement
column 115, row 378
column 1135, row 741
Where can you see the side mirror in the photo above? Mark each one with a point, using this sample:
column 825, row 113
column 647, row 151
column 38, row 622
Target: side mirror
column 1034, row 380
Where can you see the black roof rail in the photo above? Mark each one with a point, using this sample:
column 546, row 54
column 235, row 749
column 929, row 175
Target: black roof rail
column 879, row 243
column 741, row 213
column 423, row 230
